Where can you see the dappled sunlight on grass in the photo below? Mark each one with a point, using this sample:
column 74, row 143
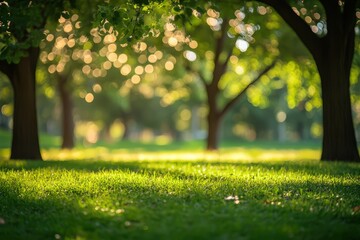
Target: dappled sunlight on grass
column 100, row 193
column 101, row 153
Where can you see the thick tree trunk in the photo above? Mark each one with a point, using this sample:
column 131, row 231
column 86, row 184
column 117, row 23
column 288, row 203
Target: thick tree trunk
column 67, row 117
column 339, row 141
column 25, row 139
column 333, row 55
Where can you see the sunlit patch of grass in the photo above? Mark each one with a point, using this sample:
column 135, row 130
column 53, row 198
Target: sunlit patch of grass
column 228, row 155
column 231, row 194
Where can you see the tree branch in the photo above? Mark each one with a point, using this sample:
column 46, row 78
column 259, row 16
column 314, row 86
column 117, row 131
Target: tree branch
column 299, row 26
column 219, row 68
column 232, row 102
column 199, row 74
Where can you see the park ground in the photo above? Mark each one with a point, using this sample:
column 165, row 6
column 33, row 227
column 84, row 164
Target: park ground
column 177, row 191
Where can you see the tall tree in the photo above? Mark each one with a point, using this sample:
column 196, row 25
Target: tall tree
column 21, row 24
column 226, row 40
column 333, row 53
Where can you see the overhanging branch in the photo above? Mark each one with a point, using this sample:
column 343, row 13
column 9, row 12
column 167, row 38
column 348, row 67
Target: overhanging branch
column 232, row 102
column 299, row 26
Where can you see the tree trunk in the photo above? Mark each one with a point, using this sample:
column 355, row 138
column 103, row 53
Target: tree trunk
column 213, row 121
column 333, row 55
column 339, row 141
column 67, row 117
column 25, row 138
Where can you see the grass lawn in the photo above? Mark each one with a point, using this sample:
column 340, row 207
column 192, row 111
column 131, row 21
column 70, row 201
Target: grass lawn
column 236, row 193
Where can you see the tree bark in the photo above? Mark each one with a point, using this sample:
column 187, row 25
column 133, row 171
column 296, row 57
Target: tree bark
column 213, row 121
column 339, row 141
column 25, row 138
column 67, row 117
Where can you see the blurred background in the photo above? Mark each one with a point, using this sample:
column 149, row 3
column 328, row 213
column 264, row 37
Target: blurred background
column 94, row 87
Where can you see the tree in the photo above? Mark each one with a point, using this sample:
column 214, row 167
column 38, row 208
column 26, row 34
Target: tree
column 21, row 30
column 333, row 51
column 22, row 23
column 222, row 42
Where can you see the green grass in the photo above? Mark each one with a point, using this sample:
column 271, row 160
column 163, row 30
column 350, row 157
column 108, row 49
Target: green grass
column 199, row 198
column 244, row 192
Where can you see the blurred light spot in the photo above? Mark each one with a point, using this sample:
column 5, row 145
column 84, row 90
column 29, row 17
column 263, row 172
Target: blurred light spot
column 60, row 67
column 7, row 110
column 110, row 38
column 209, row 55
column 158, row 55
column 316, row 130
column 240, row 15
column 97, row 88
column 123, row 58
column 112, row 47
column 308, row 19
column 296, row 11
column 169, row 27
column 117, row 64
column 49, row 37
column 303, row 11
column 212, row 21
column 152, row 58
column 112, row 57
column 116, row 131
column 139, row 70
column 74, row 17
column 242, row 45
column 141, row 46
column 317, row 16
column 172, row 41
column 60, row 43
column 86, row 69
column 77, row 25
column 83, row 39
column 152, row 49
column 149, row 68
column 88, row 58
column 239, row 70
column 96, row 72
column 169, row 65
column 71, row 43
column 234, row 59
column 281, row 116
column 68, row 27
column 89, row 98
column 52, row 68
column 185, row 114
column 315, row 29
column 107, row 65
column 193, row 44
column 135, row 79
column 61, row 19
column 190, row 55
column 142, row 59
column 212, row 13
column 96, row 39
column 261, row 10
column 125, row 70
